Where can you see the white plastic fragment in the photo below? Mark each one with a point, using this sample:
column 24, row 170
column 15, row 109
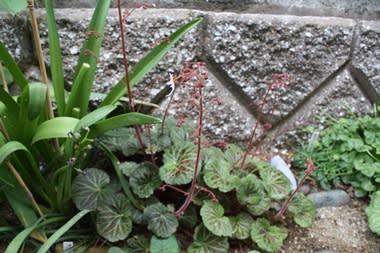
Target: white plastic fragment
column 281, row 165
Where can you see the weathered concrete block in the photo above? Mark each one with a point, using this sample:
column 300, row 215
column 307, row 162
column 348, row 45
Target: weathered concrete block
column 14, row 34
column 144, row 30
column 367, row 53
column 250, row 48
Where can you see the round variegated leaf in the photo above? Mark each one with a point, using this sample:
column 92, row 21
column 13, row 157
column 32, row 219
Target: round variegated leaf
column 128, row 168
column 303, row 210
column 181, row 134
column 212, row 154
column 276, row 184
column 261, row 207
column 138, row 243
column 179, row 162
column 144, row 180
column 212, row 217
column 90, row 189
column 241, row 226
column 233, row 154
column 217, row 176
column 168, row 245
column 250, row 191
column 267, row 237
column 161, row 221
column 206, row 242
column 113, row 220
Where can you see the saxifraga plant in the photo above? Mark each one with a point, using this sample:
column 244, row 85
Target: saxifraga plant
column 41, row 153
column 185, row 193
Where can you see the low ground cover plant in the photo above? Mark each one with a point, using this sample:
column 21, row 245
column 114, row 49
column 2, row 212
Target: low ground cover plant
column 348, row 152
column 160, row 185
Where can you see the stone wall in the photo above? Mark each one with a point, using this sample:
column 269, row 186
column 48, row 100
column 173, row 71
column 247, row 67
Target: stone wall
column 334, row 62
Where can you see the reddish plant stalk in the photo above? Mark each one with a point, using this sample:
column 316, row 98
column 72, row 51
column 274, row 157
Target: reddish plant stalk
column 189, row 197
column 126, row 73
column 253, row 133
column 310, row 168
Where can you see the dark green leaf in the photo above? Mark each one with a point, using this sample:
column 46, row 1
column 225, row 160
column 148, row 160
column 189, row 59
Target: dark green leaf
column 206, row 242
column 138, row 244
column 113, row 220
column 11, row 65
column 168, row 245
column 144, row 180
column 91, row 188
column 160, row 220
column 217, row 176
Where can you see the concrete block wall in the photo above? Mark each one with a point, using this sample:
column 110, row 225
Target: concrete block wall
column 334, row 62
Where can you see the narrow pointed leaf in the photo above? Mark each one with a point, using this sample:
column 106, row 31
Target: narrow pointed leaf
column 127, row 119
column 55, row 58
column 11, row 65
column 94, row 117
column 90, row 51
column 61, row 231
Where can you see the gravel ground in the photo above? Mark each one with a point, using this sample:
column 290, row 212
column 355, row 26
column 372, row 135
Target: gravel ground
column 341, row 229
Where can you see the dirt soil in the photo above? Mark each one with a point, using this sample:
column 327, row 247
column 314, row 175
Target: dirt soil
column 343, row 229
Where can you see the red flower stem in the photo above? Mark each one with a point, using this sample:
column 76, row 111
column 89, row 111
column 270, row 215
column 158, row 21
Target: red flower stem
column 126, row 73
column 189, row 197
column 253, row 133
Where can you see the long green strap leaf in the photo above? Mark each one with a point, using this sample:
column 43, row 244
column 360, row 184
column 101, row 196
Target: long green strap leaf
column 94, row 116
column 59, row 127
column 55, row 58
column 18, row 241
column 16, row 72
column 148, row 62
column 123, row 120
column 9, row 148
column 90, row 53
column 54, row 237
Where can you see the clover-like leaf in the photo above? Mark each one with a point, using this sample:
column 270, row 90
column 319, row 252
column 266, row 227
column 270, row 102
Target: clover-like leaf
column 144, row 180
column 261, row 207
column 179, row 161
column 217, row 176
column 168, row 245
column 276, row 184
column 161, row 221
column 90, row 189
column 113, row 220
column 241, row 226
column 206, row 242
column 212, row 217
column 303, row 210
column 251, row 190
column 267, row 237
column 373, row 213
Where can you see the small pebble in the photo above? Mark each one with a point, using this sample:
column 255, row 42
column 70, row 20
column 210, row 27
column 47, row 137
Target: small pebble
column 329, row 198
